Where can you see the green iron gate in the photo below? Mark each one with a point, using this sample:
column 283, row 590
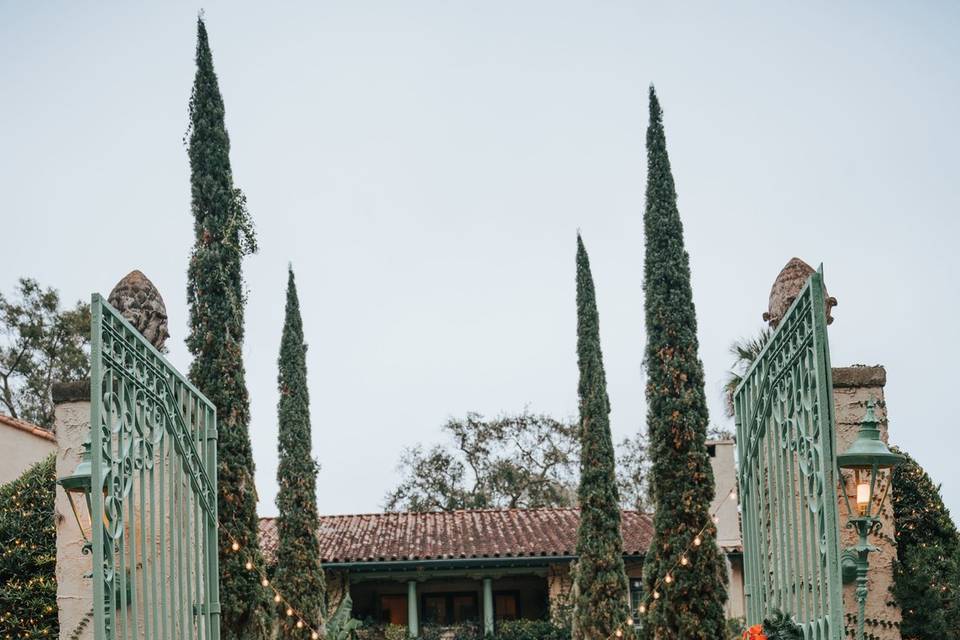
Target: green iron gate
column 153, row 452
column 785, row 442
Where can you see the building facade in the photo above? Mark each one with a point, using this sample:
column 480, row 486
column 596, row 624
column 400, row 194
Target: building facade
column 446, row 569
column 23, row 445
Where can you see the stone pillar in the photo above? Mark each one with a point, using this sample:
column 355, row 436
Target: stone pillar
column 852, row 388
column 74, row 590
column 413, row 625
column 488, row 606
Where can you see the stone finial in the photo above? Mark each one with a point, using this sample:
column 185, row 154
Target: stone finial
column 787, row 287
column 137, row 300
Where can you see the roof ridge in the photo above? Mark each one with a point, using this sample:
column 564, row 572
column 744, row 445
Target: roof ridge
column 379, row 514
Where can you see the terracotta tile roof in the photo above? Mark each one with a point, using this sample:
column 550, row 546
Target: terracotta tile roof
column 493, row 533
column 40, row 432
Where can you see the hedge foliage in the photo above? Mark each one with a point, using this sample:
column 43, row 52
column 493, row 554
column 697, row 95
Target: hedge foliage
column 28, row 554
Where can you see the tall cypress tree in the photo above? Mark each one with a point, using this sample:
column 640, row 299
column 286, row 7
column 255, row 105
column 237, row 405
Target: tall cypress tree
column 298, row 554
column 223, row 235
column 601, row 605
column 927, row 573
column 691, row 607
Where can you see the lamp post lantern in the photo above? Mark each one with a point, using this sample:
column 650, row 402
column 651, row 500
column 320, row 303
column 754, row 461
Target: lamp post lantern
column 865, row 459
column 78, row 486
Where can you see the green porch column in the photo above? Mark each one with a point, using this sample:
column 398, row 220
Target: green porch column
column 413, row 625
column 487, row 606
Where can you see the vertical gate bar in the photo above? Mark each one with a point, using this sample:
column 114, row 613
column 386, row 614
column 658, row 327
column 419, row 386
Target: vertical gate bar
column 96, row 457
column 772, row 514
column 783, row 527
column 196, row 436
column 164, row 538
column 827, row 421
column 213, row 556
column 790, row 575
column 141, row 420
column 800, row 603
column 175, row 630
column 185, row 520
column 769, row 523
column 153, row 520
column 120, row 582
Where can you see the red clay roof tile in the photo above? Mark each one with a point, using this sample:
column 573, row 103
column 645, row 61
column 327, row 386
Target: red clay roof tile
column 488, row 533
column 22, row 425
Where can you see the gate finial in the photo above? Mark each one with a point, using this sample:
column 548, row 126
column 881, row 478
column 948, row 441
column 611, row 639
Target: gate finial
column 140, row 303
column 787, row 287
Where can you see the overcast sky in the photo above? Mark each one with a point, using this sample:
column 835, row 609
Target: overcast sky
column 425, row 167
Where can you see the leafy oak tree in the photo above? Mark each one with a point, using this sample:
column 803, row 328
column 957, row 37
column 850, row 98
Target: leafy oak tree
column 513, row 461
column 40, row 343
column 691, row 607
column 223, row 236
column 601, row 601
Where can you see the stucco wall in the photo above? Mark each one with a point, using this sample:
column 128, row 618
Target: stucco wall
column 74, row 591
column 21, row 450
column 723, row 462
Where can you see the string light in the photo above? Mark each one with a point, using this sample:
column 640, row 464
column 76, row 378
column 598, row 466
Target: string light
column 249, row 565
column 682, row 561
column 235, row 546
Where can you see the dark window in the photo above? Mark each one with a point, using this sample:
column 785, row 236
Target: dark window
column 506, row 605
column 712, row 450
column 636, row 594
column 449, row 608
column 393, row 609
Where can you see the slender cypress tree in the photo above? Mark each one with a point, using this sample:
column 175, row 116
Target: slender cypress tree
column 223, row 235
column 691, row 607
column 927, row 573
column 602, row 592
column 298, row 553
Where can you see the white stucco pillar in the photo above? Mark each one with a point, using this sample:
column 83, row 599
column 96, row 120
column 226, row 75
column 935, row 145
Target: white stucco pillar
column 488, row 606
column 74, row 590
column 413, row 624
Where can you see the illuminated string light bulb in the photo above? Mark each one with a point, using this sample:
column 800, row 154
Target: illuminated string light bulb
column 249, row 565
column 643, row 608
column 265, row 582
column 299, row 624
column 618, row 633
column 683, row 560
column 314, row 635
column 668, row 578
column 276, row 597
column 697, row 541
column 656, row 595
column 716, row 519
column 289, row 611
column 733, row 494
column 629, row 621
column 235, row 546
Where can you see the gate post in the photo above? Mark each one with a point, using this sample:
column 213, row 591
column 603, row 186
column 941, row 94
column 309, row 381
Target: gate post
column 74, row 589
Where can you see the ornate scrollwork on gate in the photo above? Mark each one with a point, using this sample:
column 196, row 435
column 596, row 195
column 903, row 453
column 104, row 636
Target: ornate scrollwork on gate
column 153, row 438
column 785, row 440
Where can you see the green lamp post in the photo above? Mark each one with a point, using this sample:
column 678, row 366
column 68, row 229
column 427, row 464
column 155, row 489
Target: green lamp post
column 865, row 459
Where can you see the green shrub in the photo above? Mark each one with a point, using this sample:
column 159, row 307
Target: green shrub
column 530, row 630
column 28, row 554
